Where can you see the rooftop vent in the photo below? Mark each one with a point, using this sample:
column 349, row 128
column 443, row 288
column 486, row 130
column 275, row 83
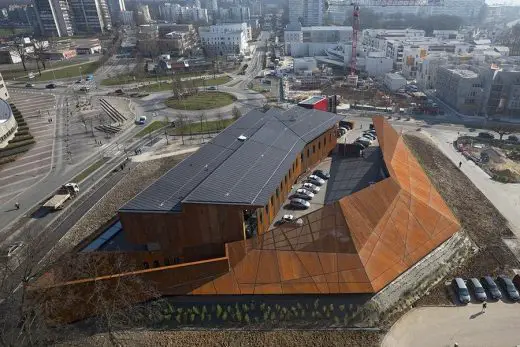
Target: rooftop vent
column 242, row 138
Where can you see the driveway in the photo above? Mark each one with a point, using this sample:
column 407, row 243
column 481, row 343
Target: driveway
column 465, row 325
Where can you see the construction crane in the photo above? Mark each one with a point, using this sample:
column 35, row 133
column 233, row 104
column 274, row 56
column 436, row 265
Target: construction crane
column 352, row 77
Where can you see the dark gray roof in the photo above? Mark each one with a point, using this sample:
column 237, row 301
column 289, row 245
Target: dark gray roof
column 5, row 111
column 230, row 171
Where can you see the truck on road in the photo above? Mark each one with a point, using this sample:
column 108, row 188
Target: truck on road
column 66, row 192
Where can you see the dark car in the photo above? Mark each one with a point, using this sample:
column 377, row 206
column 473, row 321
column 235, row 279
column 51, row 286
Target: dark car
column 475, row 286
column 50, row 86
column 321, row 174
column 491, row 287
column 508, row 287
column 486, row 135
column 461, row 291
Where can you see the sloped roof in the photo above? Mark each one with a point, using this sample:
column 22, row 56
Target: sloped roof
column 221, row 172
column 359, row 244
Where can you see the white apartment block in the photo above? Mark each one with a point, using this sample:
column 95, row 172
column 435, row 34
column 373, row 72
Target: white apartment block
column 427, row 69
column 461, row 88
column 177, row 13
column 225, row 39
column 310, row 41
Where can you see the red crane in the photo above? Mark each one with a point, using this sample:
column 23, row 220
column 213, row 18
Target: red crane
column 352, row 78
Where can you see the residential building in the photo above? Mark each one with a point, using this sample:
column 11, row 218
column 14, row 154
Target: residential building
column 90, row 16
column 337, row 12
column 234, row 14
column 461, row 88
column 427, row 69
column 143, row 15
column 306, row 12
column 206, row 226
column 127, row 18
column 183, row 14
column 503, row 92
column 9, row 56
column 115, row 8
column 225, row 39
column 310, row 41
column 54, row 17
column 466, row 9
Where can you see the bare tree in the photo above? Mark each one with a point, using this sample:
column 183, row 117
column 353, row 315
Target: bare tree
column 202, row 118
column 504, row 129
column 39, row 54
column 220, row 121
column 83, row 121
column 20, row 51
column 166, row 126
column 180, row 124
column 235, row 112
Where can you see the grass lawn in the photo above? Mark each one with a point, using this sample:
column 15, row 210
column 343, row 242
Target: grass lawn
column 69, row 71
column 201, row 101
column 164, row 86
column 129, row 78
column 197, row 127
column 31, row 67
column 6, row 32
column 157, row 124
column 89, row 170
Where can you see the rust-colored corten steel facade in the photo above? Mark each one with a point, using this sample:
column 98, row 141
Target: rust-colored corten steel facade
column 357, row 245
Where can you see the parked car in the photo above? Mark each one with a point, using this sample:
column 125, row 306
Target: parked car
column 513, row 138
column 372, row 131
column 212, row 88
column 289, row 219
column 342, row 131
column 300, row 204
column 119, row 91
column 516, row 281
column 310, row 187
column 508, row 287
column 29, row 85
column 317, row 179
column 13, row 256
column 369, row 136
column 363, row 140
column 84, row 89
column 79, row 81
column 302, row 194
column 474, row 285
column 321, row 174
column 486, row 135
column 362, row 145
column 50, row 86
column 491, row 287
column 461, row 291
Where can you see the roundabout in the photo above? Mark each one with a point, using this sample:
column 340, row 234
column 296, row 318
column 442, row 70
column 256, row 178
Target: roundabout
column 201, row 101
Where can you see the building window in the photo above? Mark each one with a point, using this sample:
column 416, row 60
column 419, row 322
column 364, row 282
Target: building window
column 260, row 217
column 285, row 179
column 277, row 193
column 156, row 263
column 308, row 152
column 301, row 156
column 267, row 210
column 324, row 141
column 313, row 149
column 272, row 200
column 319, row 145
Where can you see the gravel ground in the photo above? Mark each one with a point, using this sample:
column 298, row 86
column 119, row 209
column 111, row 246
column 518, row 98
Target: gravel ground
column 132, row 183
column 236, row 338
column 477, row 215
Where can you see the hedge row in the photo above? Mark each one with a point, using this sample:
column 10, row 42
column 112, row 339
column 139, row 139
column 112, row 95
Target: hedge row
column 23, row 128
column 16, row 148
column 22, row 132
column 8, row 159
column 20, row 138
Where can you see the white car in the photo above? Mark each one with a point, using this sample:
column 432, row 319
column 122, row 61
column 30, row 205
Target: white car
column 310, row 187
column 290, row 219
column 365, row 139
column 300, row 204
column 317, row 179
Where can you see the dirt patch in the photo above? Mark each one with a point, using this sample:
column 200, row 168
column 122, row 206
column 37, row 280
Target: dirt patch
column 477, row 215
column 237, row 338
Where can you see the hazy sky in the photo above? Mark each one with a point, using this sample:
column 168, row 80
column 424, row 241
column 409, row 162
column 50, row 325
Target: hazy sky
column 506, row 2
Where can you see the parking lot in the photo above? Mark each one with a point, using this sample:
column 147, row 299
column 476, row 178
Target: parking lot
column 348, row 175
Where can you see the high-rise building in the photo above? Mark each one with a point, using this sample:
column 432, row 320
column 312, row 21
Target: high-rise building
column 306, row 12
column 115, row 8
column 90, row 16
column 54, row 17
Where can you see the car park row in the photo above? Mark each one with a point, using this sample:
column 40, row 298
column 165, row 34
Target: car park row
column 486, row 288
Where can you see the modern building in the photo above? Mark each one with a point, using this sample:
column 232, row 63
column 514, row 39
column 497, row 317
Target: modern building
column 503, row 93
column 90, row 16
column 461, row 88
column 127, row 18
column 115, row 8
column 183, row 14
column 311, row 41
column 394, row 81
column 306, row 12
column 54, row 17
column 225, row 39
column 204, row 228
column 427, row 69
column 234, row 14
column 9, row 56
column 143, row 15
column 466, row 9
column 8, row 124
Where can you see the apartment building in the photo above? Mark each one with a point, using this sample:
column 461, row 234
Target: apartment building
column 314, row 40
column 90, row 16
column 54, row 17
column 225, row 39
column 461, row 88
column 306, row 12
column 503, row 98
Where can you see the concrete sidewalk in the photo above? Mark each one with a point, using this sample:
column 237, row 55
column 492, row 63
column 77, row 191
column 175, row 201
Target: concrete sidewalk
column 465, row 325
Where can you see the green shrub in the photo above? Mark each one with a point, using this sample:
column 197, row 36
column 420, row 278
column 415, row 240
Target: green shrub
column 196, row 310
column 18, row 144
column 219, row 311
column 178, row 318
column 224, row 315
column 20, row 138
column 336, row 319
column 8, row 159
column 192, row 317
column 341, row 308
